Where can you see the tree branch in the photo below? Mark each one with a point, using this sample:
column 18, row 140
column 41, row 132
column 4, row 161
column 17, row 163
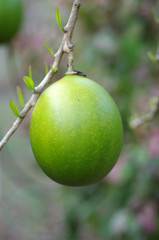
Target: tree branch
column 138, row 122
column 65, row 47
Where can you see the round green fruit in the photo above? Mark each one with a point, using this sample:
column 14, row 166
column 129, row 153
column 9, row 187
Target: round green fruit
column 10, row 19
column 76, row 131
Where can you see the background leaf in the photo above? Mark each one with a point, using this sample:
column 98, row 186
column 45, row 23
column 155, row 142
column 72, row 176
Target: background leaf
column 153, row 101
column 20, row 96
column 152, row 57
column 14, row 108
column 155, row 15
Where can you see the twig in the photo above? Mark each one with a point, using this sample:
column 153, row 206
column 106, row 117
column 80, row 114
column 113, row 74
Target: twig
column 65, row 47
column 138, row 122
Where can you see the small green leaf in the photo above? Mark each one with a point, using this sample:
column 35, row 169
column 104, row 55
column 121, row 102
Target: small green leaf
column 155, row 15
column 30, row 72
column 29, row 82
column 46, row 68
column 54, row 70
column 152, row 57
column 14, row 108
column 58, row 18
column 20, row 96
column 50, row 51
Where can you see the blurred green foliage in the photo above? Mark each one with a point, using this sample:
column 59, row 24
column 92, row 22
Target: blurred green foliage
column 112, row 40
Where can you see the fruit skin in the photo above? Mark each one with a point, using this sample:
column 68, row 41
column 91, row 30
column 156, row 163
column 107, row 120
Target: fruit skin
column 76, row 131
column 10, row 19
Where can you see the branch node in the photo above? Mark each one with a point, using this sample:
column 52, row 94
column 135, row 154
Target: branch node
column 78, row 4
column 22, row 115
column 66, row 47
column 65, row 29
column 35, row 91
column 71, row 45
column 75, row 72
